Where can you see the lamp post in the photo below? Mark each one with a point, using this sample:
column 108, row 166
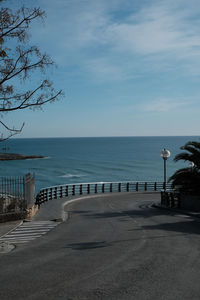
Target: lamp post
column 165, row 154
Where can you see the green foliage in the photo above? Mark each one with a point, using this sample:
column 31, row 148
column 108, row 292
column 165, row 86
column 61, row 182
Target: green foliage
column 188, row 179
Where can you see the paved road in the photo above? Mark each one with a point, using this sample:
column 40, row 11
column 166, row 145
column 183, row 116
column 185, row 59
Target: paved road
column 111, row 247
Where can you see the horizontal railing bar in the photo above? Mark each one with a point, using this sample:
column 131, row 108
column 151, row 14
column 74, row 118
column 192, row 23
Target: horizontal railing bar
column 103, row 182
column 84, row 185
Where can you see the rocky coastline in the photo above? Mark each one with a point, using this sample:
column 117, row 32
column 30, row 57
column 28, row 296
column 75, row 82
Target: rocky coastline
column 15, row 156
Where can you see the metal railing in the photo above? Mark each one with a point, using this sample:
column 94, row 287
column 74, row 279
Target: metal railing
column 12, row 197
column 68, row 190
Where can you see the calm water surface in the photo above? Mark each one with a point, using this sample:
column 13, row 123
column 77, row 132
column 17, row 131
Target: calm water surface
column 74, row 160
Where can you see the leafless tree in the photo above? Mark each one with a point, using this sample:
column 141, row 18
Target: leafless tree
column 18, row 61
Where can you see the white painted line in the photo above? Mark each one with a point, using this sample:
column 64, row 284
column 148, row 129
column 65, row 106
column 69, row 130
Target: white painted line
column 40, row 222
column 25, row 235
column 20, row 238
column 36, row 226
column 31, row 231
column 14, row 236
column 20, row 242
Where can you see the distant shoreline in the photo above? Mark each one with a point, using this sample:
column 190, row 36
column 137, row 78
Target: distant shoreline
column 15, row 156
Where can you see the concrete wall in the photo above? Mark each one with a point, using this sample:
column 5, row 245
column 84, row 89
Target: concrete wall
column 190, row 202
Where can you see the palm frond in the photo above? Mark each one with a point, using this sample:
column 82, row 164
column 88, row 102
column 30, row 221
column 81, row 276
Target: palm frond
column 193, row 144
column 182, row 156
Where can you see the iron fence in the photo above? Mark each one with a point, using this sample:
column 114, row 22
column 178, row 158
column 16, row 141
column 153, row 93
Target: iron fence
column 12, row 195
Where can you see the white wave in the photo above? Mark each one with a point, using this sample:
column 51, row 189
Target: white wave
column 72, row 175
column 45, row 157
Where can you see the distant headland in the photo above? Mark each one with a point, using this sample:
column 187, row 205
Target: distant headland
column 15, row 156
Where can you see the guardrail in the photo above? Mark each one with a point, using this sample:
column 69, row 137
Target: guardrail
column 56, row 192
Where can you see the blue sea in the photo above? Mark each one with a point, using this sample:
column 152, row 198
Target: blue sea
column 81, row 160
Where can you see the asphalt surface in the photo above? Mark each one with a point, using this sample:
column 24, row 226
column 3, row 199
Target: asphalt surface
column 111, row 247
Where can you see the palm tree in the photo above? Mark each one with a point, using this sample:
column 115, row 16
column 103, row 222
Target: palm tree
column 188, row 179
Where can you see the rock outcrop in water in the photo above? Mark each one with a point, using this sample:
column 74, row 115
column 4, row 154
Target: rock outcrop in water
column 14, row 156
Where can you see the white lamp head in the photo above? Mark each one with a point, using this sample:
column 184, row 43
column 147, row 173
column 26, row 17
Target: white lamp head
column 165, row 154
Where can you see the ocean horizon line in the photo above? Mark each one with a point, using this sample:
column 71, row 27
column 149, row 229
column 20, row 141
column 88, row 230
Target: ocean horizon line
column 96, row 137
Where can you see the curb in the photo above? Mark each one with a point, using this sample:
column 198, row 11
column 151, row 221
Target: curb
column 65, row 215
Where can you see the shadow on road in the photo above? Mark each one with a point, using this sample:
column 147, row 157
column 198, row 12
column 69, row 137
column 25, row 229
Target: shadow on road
column 187, row 227
column 88, row 245
column 143, row 213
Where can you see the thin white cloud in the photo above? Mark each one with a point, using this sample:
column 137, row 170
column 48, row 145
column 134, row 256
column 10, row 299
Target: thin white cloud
column 164, row 105
column 160, row 34
column 156, row 30
column 105, row 68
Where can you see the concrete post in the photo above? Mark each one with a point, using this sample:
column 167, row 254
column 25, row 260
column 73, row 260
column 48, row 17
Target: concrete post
column 29, row 192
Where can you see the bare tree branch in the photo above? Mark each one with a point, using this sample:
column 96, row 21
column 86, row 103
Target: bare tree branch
column 12, row 131
column 17, row 62
column 11, row 24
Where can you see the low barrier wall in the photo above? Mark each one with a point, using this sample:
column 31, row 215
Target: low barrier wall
column 61, row 191
column 170, row 198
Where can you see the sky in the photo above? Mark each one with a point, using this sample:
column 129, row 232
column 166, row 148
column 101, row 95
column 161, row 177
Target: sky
column 126, row 67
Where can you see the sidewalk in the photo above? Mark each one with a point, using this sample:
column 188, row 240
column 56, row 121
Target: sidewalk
column 8, row 226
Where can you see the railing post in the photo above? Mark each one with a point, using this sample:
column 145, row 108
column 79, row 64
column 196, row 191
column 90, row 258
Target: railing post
column 88, row 188
column 136, row 187
column 145, row 186
column 127, row 187
column 55, row 193
column 66, row 191
column 81, row 189
column 103, row 188
column 119, row 187
column 50, row 194
column 155, row 186
column 47, row 195
column 61, row 192
column 42, row 196
column 110, row 187
column 73, row 190
column 164, row 185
